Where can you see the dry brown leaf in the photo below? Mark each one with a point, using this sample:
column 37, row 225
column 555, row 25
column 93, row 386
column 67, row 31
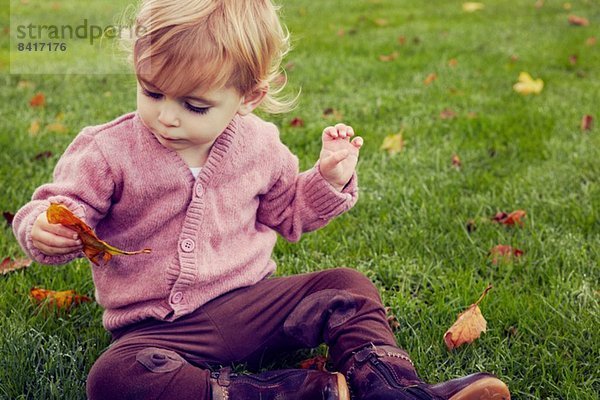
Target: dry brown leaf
column 332, row 113
column 317, row 363
column 9, row 265
column 61, row 299
column 8, row 216
column 468, row 326
column 591, row 41
column 389, row 57
column 453, row 62
column 94, row 248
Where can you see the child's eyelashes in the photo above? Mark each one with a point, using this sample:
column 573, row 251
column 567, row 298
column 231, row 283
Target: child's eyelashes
column 188, row 106
column 152, row 95
column 194, row 109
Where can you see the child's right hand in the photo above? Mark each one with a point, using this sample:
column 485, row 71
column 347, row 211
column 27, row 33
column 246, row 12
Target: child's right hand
column 53, row 239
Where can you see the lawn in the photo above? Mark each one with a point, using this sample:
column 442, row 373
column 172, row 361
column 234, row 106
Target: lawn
column 422, row 229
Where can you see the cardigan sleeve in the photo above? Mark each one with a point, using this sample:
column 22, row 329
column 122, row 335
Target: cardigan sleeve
column 82, row 181
column 302, row 202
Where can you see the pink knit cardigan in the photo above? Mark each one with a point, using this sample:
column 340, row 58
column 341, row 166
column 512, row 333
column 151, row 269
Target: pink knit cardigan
column 208, row 235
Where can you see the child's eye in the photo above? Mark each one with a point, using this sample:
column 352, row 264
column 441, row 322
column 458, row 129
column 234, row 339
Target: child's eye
column 153, row 95
column 198, row 110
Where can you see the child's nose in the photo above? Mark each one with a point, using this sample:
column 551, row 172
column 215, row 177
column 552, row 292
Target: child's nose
column 168, row 114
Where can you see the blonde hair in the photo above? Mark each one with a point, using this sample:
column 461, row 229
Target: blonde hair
column 182, row 45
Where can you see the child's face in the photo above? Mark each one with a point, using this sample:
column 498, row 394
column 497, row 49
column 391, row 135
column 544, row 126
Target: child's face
column 188, row 123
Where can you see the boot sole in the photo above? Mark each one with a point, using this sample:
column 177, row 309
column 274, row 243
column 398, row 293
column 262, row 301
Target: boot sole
column 484, row 389
column 343, row 391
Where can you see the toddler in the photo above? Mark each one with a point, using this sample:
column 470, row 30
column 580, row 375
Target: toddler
column 207, row 185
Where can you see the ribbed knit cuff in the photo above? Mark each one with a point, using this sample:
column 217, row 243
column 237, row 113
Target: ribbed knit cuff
column 326, row 200
column 37, row 255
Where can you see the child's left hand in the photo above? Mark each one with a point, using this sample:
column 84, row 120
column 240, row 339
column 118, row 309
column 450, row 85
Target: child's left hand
column 339, row 155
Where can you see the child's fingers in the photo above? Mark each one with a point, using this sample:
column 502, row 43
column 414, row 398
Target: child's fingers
column 55, row 251
column 357, row 142
column 52, row 240
column 57, row 229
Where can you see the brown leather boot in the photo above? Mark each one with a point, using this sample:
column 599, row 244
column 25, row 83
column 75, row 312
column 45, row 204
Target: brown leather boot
column 289, row 384
column 387, row 373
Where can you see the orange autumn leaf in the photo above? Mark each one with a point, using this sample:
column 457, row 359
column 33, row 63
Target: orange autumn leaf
column 578, row 21
column 63, row 299
column 504, row 253
column 430, row 78
column 447, row 113
column 468, row 326
column 456, row 163
column 38, row 100
column 9, row 265
column 513, row 218
column 94, row 248
column 317, row 363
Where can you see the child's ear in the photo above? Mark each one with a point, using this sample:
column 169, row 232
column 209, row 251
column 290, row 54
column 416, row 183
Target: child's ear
column 252, row 99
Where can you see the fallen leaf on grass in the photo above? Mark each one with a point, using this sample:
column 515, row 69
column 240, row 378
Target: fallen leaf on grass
column 94, row 248
column 393, row 144
column 510, row 219
column 38, row 100
column 8, row 216
column 332, row 113
column 389, row 57
column 504, row 253
column 62, row 300
column 297, row 122
column 317, row 363
column 9, row 265
column 586, row 122
column 34, row 127
column 472, row 7
column 468, row 326
column 43, row 155
column 447, row 113
column 430, row 78
column 591, row 41
column 527, row 85
column 453, row 62
column 578, row 21
column 392, row 319
column 56, row 127
column 456, row 163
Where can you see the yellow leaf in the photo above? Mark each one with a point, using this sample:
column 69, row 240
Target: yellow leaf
column 468, row 326
column 34, row 127
column 393, row 143
column 472, row 7
column 56, row 127
column 527, row 85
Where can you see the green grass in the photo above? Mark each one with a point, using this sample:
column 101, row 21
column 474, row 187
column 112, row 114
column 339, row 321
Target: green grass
column 407, row 232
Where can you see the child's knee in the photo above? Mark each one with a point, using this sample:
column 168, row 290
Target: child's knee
column 132, row 373
column 348, row 279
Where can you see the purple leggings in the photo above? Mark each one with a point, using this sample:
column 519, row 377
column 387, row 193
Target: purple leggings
column 171, row 360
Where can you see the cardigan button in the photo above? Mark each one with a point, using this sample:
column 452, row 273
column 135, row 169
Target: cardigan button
column 177, row 297
column 188, row 245
column 199, row 190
